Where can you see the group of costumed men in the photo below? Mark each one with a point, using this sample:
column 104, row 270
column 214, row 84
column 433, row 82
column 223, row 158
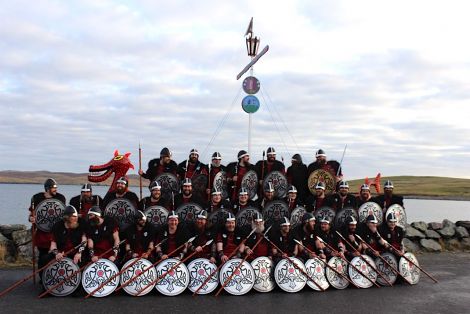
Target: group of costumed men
column 86, row 228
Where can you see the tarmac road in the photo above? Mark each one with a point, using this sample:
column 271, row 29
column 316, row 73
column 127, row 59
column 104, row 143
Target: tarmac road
column 450, row 295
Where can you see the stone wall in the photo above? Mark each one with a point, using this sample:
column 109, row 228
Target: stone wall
column 15, row 240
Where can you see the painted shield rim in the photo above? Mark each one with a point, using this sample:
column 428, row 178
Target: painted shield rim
column 181, row 266
column 145, row 264
column 47, row 227
column 107, row 289
column 245, row 289
column 333, row 278
column 303, row 278
column 389, row 273
column 271, row 275
column 212, row 284
column 75, row 267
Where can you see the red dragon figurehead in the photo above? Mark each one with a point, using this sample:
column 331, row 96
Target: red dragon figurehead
column 120, row 164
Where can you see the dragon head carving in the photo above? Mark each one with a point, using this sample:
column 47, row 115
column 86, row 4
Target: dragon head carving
column 119, row 165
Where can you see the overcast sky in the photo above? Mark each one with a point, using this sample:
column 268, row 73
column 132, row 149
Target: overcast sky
column 391, row 79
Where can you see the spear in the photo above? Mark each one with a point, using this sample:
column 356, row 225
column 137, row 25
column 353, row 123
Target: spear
column 140, row 169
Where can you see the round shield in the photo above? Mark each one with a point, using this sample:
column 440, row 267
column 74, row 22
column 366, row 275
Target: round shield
column 360, row 263
column 48, row 212
column 399, row 213
column 408, row 270
column 199, row 270
column 289, row 277
column 250, row 183
column 122, row 210
column 169, row 183
column 279, row 182
column 199, row 183
column 217, row 218
column 341, row 216
column 220, row 183
column 296, row 216
column 370, row 208
column 156, row 215
column 316, row 270
column 251, row 85
column 96, row 274
column 245, row 216
column 58, row 272
column 140, row 274
column 274, row 211
column 337, row 281
column 385, row 270
column 176, row 279
column 188, row 212
column 324, row 176
column 325, row 211
column 264, row 275
column 243, row 279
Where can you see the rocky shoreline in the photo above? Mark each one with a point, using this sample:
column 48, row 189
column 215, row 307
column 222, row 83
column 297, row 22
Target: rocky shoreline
column 16, row 250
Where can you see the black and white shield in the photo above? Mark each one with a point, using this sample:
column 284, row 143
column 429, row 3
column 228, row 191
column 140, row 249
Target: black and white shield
column 156, row 215
column 326, row 212
column 316, row 271
column 138, row 276
column 220, row 183
column 122, row 210
column 334, row 278
column 217, row 218
column 399, row 212
column 176, row 278
column 245, row 216
column 250, row 183
column 263, row 268
column 409, row 270
column 289, row 275
column 274, row 211
column 58, row 272
column 199, row 271
column 387, row 269
column 169, row 183
column 342, row 215
column 279, row 182
column 296, row 216
column 48, row 212
column 188, row 212
column 363, row 266
column 370, row 208
column 242, row 276
column 97, row 273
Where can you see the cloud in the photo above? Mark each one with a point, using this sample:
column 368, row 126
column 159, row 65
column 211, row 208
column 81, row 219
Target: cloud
column 78, row 80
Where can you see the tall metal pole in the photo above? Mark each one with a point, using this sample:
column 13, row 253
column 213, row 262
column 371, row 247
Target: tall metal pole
column 249, row 133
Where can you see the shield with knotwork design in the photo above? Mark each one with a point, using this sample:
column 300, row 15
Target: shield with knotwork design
column 324, row 176
column 388, row 271
column 341, row 216
column 409, row 270
column 169, row 183
column 122, row 210
column 370, row 208
column 250, row 183
column 399, row 212
column 58, row 272
column 217, row 218
column 199, row 183
column 96, row 274
column 243, row 277
column 220, row 183
column 136, row 275
column 279, row 182
column 156, row 215
column 337, row 281
column 316, row 271
column 326, row 212
column 290, row 277
column 296, row 216
column 199, row 270
column 176, row 279
column 359, row 279
column 188, row 212
column 245, row 216
column 263, row 268
column 274, row 211
column 48, row 212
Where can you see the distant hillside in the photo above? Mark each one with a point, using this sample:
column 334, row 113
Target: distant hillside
column 442, row 187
